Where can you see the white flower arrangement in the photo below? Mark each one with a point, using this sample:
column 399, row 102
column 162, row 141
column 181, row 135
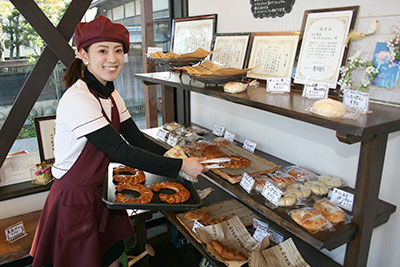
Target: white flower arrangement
column 394, row 44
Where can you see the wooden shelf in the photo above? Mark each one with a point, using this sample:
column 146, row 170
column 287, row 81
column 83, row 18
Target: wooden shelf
column 22, row 189
column 383, row 119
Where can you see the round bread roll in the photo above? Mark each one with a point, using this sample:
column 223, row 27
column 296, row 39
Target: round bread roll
column 317, row 187
column 328, row 108
column 329, row 211
column 235, row 87
column 331, row 181
column 287, row 199
column 308, row 219
column 299, row 190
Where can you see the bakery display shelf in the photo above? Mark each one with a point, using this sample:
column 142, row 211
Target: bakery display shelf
column 381, row 119
column 325, row 239
column 309, row 253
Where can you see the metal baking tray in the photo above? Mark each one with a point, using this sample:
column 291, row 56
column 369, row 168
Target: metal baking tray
column 156, row 204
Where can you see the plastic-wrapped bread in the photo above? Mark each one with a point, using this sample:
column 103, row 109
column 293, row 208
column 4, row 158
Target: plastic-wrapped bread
column 328, row 108
column 235, row 87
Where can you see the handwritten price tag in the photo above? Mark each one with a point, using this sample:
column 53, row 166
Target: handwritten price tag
column 260, row 234
column 247, row 182
column 249, row 146
column 218, row 130
column 342, row 199
column 275, row 236
column 356, row 99
column 151, row 50
column 15, row 232
column 161, row 133
column 197, row 224
column 316, row 90
column 278, row 85
column 229, row 136
column 260, row 224
column 172, row 140
column 271, row 193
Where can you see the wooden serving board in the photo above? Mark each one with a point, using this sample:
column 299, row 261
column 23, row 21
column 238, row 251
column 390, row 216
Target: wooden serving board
column 257, row 165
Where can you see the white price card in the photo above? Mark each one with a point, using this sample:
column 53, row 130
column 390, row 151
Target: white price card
column 218, row 130
column 275, row 236
column 271, row 193
column 161, row 133
column 196, row 224
column 229, row 136
column 15, row 232
column 151, row 50
column 342, row 198
column 356, row 99
column 316, row 90
column 172, row 140
column 278, row 85
column 260, row 224
column 260, row 234
column 249, row 146
column 247, row 182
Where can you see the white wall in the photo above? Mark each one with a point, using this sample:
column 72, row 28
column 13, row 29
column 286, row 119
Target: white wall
column 301, row 143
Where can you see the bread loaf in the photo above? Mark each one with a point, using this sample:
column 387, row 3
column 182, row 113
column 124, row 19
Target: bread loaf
column 328, row 108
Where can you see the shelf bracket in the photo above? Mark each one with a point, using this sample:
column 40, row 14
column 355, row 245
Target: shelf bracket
column 347, row 138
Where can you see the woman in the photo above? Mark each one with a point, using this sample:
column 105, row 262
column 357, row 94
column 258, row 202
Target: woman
column 94, row 126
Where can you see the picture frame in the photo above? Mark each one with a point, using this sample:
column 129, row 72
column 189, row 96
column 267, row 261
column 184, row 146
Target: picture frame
column 231, row 49
column 45, row 131
column 191, row 33
column 322, row 50
column 272, row 54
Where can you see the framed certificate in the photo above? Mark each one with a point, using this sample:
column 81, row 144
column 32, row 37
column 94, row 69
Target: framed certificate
column 45, row 131
column 272, row 54
column 324, row 32
column 231, row 49
column 191, row 33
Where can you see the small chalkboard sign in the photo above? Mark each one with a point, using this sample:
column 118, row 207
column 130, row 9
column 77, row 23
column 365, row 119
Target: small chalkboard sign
column 271, row 8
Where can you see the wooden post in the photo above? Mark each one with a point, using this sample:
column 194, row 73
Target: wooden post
column 150, row 92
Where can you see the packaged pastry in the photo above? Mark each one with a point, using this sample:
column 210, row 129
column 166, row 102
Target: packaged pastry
column 299, row 173
column 328, row 108
column 330, row 211
column 260, row 182
column 220, row 141
column 287, row 199
column 300, row 190
column 197, row 130
column 331, row 181
column 282, row 179
column 310, row 220
column 317, row 187
column 202, row 144
column 171, row 126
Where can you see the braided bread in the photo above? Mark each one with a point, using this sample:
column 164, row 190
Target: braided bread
column 227, row 253
column 180, row 196
column 145, row 194
column 134, row 176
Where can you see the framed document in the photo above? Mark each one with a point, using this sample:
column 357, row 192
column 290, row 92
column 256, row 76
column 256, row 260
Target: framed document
column 231, row 49
column 191, row 33
column 322, row 48
column 272, row 54
column 45, row 131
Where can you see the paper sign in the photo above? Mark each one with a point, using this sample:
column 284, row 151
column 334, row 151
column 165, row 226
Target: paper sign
column 15, row 232
column 271, row 193
column 260, row 234
column 218, row 130
column 249, row 146
column 229, row 136
column 151, row 50
column 356, row 99
column 260, row 224
column 172, row 140
column 196, row 224
column 247, row 182
column 278, row 85
column 275, row 236
column 161, row 133
column 342, row 199
column 316, row 90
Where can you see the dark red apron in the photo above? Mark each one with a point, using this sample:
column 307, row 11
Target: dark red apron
column 75, row 227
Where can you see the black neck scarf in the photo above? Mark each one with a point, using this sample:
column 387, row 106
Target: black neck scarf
column 103, row 91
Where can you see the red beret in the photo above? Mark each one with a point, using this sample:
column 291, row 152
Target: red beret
column 101, row 29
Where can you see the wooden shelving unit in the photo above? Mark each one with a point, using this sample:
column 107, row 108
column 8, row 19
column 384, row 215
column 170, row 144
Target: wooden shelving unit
column 371, row 130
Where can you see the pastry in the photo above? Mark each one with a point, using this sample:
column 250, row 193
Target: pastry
column 329, row 211
column 211, row 221
column 127, row 175
column 328, row 108
column 287, row 199
column 308, row 219
column 235, row 162
column 235, row 87
column 227, row 253
column 331, row 181
column 220, row 141
column 145, row 194
column 197, row 215
column 282, row 179
column 317, row 187
column 300, row 174
column 171, row 126
column 180, row 196
column 299, row 190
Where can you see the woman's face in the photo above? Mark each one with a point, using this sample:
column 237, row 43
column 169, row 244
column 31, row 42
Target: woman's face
column 105, row 60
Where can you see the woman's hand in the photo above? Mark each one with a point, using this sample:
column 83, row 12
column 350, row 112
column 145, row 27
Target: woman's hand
column 193, row 167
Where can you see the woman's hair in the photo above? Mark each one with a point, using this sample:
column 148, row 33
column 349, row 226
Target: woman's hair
column 74, row 72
